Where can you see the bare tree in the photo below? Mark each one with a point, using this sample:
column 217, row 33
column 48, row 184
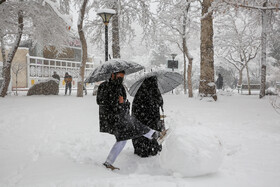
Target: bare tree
column 175, row 19
column 265, row 6
column 84, row 48
column 237, row 41
column 7, row 62
column 221, row 6
column 187, row 53
column 17, row 68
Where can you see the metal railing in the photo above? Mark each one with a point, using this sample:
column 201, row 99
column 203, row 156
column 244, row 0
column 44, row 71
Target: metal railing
column 39, row 69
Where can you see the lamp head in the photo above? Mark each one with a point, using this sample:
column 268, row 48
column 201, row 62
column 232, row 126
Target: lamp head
column 173, row 55
column 106, row 15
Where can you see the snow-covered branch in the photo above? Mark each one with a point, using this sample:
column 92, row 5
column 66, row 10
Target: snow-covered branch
column 55, row 6
column 257, row 7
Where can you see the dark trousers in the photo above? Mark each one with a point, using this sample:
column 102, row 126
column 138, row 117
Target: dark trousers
column 68, row 85
column 84, row 88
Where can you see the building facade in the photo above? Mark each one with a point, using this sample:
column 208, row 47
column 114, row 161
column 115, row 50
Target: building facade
column 34, row 69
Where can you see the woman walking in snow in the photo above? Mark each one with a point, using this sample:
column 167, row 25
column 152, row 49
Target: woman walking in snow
column 114, row 117
column 146, row 108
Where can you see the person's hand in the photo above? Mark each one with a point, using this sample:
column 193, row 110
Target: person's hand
column 120, row 99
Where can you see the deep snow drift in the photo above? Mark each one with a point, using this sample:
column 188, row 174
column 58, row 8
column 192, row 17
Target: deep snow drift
column 198, row 151
column 55, row 141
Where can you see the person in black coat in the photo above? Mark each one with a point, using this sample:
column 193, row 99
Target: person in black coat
column 219, row 82
column 146, row 108
column 56, row 76
column 114, row 117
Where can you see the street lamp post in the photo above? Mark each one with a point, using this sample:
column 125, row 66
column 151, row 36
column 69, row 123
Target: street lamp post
column 106, row 15
column 173, row 55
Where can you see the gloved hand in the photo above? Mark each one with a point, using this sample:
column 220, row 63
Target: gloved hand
column 120, row 99
column 127, row 106
column 124, row 107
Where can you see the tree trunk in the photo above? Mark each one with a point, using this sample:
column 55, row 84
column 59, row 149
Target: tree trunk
column 248, row 79
column 16, row 83
column 3, row 52
column 185, row 86
column 115, row 32
column 263, row 53
column 190, row 78
column 84, row 49
column 240, row 77
column 8, row 63
column 187, row 54
column 207, row 83
column 184, row 52
column 189, row 71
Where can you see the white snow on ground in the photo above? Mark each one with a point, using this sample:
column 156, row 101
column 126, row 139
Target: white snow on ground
column 55, row 141
column 198, row 151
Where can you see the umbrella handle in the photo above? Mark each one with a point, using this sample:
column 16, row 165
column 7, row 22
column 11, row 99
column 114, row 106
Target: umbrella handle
column 162, row 119
column 162, row 116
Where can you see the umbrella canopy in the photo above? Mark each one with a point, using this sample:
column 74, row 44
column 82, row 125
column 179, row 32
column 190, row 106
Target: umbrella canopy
column 166, row 80
column 104, row 71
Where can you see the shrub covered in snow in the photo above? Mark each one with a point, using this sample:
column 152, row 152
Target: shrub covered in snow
column 46, row 87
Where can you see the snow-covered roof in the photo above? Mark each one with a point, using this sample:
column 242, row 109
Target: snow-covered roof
column 106, row 10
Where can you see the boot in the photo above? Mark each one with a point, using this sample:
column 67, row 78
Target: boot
column 161, row 136
column 109, row 166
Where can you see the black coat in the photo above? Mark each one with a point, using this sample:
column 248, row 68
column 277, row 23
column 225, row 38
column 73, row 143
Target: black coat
column 114, row 117
column 220, row 82
column 146, row 108
column 56, row 76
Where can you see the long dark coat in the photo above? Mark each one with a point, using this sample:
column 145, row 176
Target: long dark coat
column 146, row 108
column 220, row 82
column 114, row 117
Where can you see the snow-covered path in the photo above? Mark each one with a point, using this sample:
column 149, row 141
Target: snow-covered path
column 55, row 141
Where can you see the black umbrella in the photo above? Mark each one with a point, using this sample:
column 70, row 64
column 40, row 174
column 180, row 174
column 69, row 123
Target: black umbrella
column 104, row 71
column 166, row 80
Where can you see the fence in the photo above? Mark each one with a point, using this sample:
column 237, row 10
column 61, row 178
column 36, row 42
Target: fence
column 39, row 69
